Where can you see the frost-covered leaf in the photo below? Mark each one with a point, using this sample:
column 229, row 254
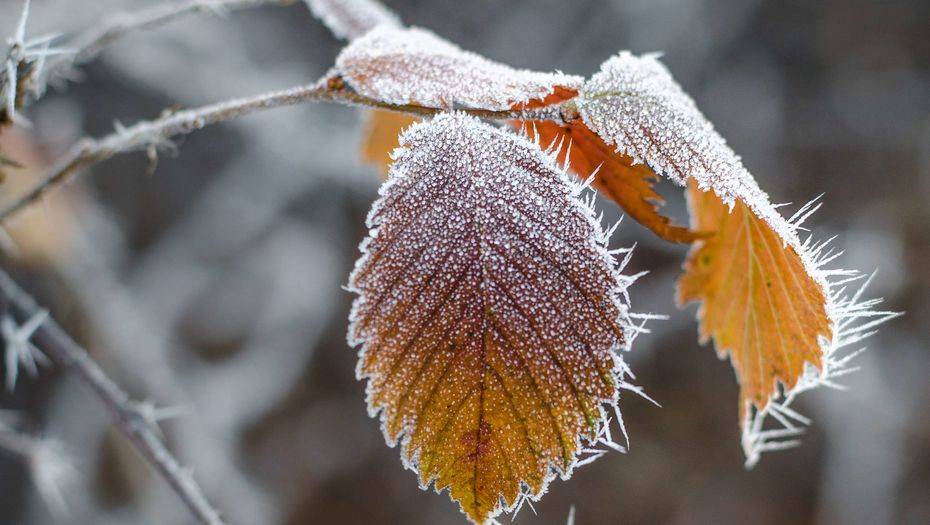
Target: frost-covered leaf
column 634, row 104
column 380, row 135
column 414, row 66
column 490, row 315
column 349, row 19
column 615, row 175
column 766, row 299
column 758, row 301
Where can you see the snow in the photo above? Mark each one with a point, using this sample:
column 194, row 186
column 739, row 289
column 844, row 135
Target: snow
column 415, row 66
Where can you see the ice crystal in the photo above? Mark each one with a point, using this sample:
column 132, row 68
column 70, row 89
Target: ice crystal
column 490, row 315
column 18, row 349
column 414, row 66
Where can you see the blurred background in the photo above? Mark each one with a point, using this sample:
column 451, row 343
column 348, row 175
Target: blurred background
column 214, row 285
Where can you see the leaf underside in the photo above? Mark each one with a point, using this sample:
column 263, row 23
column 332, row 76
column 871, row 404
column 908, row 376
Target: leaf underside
column 615, row 175
column 488, row 313
column 762, row 302
column 379, row 136
column 759, row 303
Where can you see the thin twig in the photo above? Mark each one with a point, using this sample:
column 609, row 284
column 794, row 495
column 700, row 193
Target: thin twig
column 87, row 45
column 153, row 134
column 127, row 417
column 31, row 65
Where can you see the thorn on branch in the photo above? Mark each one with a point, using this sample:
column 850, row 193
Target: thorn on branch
column 152, row 153
column 133, row 422
column 19, row 350
column 22, row 69
column 151, row 415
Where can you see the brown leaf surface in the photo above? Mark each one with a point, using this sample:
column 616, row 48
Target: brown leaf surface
column 380, row 134
column 759, row 303
column 628, row 185
column 488, row 315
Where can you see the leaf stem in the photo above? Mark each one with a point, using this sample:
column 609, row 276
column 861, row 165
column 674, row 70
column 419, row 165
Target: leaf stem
column 153, row 134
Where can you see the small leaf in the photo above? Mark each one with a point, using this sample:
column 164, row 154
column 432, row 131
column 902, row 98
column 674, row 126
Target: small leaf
column 489, row 314
column 380, row 136
column 414, row 66
column 759, row 303
column 766, row 299
column 616, row 176
column 635, row 105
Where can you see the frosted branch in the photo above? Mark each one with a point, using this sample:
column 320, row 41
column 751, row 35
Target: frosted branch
column 89, row 44
column 151, row 135
column 26, row 64
column 349, row 19
column 127, row 415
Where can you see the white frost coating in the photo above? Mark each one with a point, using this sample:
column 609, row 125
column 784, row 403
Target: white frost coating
column 414, row 66
column 477, row 236
column 634, row 104
column 350, row 19
column 19, row 349
column 853, row 319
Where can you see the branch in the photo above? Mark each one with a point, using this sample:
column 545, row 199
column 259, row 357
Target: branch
column 151, row 135
column 86, row 46
column 350, row 19
column 127, row 415
column 22, row 70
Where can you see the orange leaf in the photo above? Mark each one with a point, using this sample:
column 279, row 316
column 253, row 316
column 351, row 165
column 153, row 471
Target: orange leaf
column 559, row 94
column 767, row 299
column 489, row 315
column 759, row 302
column 627, row 184
column 382, row 128
column 380, row 134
